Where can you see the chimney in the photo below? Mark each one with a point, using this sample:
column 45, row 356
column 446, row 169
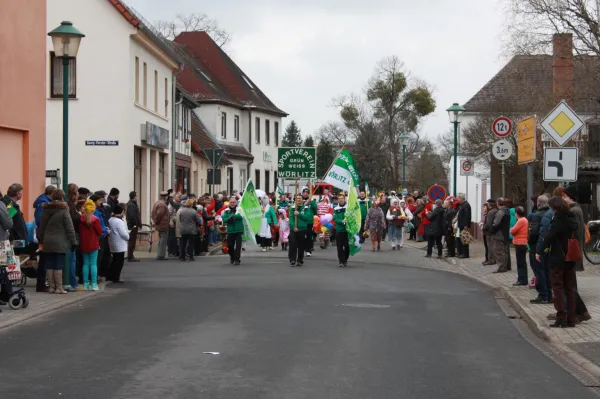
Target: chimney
column 562, row 68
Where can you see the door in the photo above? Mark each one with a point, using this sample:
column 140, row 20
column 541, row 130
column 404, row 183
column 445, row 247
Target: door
column 267, row 181
column 11, row 143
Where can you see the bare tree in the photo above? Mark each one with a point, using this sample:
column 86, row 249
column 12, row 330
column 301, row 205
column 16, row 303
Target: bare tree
column 193, row 22
column 531, row 24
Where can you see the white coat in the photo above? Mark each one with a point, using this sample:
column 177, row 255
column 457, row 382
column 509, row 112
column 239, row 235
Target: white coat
column 119, row 235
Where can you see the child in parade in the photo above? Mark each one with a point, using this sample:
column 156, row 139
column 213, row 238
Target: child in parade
column 284, row 229
column 269, row 219
column 341, row 235
column 324, row 208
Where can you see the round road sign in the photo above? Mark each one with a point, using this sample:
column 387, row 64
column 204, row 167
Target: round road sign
column 502, row 150
column 436, row 192
column 502, row 126
column 467, row 166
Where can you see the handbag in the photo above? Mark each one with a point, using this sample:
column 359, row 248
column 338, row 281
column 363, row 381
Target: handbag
column 466, row 238
column 573, row 250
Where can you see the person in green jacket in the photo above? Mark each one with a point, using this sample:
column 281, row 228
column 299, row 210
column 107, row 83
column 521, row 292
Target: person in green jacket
column 341, row 235
column 311, row 204
column 269, row 219
column 364, row 204
column 300, row 217
column 232, row 218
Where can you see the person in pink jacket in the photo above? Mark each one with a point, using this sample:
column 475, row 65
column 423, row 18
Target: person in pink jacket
column 284, row 229
column 519, row 233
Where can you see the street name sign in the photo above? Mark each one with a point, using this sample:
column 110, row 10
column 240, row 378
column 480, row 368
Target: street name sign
column 297, row 163
column 526, row 140
column 502, row 127
column 466, row 168
column 562, row 123
column 502, row 150
column 561, row 163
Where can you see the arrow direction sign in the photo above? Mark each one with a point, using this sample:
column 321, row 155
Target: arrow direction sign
column 561, row 164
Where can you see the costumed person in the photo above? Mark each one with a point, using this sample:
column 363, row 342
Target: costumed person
column 284, row 229
column 311, row 205
column 398, row 216
column 232, row 218
column 324, row 208
column 269, row 219
column 300, row 217
column 341, row 235
column 364, row 204
column 375, row 223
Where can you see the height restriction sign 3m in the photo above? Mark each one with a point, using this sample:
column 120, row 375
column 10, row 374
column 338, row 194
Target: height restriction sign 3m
column 502, row 126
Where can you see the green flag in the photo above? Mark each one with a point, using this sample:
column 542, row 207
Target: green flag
column 251, row 213
column 342, row 171
column 353, row 218
column 12, row 211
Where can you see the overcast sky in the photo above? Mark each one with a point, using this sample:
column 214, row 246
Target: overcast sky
column 304, row 53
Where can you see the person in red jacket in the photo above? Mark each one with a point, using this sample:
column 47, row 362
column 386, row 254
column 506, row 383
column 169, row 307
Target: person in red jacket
column 89, row 231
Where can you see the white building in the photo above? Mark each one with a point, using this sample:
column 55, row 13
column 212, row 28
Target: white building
column 236, row 115
column 477, row 188
column 121, row 101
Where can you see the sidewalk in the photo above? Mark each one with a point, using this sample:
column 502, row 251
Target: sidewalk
column 580, row 344
column 41, row 303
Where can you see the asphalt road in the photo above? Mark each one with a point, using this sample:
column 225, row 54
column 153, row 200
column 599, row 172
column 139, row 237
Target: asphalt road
column 374, row 330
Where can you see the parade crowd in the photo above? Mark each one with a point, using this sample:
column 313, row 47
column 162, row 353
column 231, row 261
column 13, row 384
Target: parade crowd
column 94, row 233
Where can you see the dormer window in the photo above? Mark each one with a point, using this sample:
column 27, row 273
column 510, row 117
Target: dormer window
column 247, row 81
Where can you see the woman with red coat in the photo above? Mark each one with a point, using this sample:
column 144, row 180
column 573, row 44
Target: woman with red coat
column 89, row 231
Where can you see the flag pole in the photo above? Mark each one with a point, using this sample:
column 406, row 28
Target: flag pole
column 334, row 158
column 296, row 210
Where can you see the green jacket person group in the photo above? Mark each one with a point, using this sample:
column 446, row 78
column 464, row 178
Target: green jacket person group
column 311, row 204
column 235, row 230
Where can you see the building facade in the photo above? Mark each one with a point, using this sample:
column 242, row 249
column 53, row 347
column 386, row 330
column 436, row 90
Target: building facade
column 22, row 98
column 120, row 109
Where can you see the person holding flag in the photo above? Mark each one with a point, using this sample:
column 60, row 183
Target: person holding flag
column 300, row 217
column 363, row 203
column 341, row 234
column 311, row 206
column 232, row 217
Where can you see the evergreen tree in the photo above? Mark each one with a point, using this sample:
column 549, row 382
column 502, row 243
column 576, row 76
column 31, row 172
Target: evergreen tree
column 292, row 136
column 324, row 157
column 309, row 142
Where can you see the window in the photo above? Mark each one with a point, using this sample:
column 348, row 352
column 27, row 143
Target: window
column 137, row 173
column 242, row 178
column 276, row 133
column 137, row 80
column 145, row 83
column 593, row 144
column 257, row 178
column 166, row 98
column 236, row 128
column 247, row 82
column 267, row 131
column 257, row 130
column 275, row 181
column 56, row 77
column 156, row 91
column 267, row 180
column 162, row 162
column 223, row 125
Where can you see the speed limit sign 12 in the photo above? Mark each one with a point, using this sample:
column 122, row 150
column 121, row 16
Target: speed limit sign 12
column 502, row 126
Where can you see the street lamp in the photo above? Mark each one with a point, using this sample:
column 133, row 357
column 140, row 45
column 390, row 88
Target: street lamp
column 66, row 40
column 403, row 141
column 454, row 112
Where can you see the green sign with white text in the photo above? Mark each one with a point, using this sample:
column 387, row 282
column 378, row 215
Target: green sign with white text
column 297, row 163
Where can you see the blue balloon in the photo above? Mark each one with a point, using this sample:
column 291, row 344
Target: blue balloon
column 329, row 226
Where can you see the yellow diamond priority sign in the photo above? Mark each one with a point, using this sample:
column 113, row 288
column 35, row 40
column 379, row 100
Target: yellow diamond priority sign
column 562, row 123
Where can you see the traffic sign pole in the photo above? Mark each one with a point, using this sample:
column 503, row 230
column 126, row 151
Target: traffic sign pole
column 503, row 183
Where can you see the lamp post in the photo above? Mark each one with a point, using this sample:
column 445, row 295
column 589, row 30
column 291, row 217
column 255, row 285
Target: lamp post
column 454, row 112
column 66, row 40
column 403, row 141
